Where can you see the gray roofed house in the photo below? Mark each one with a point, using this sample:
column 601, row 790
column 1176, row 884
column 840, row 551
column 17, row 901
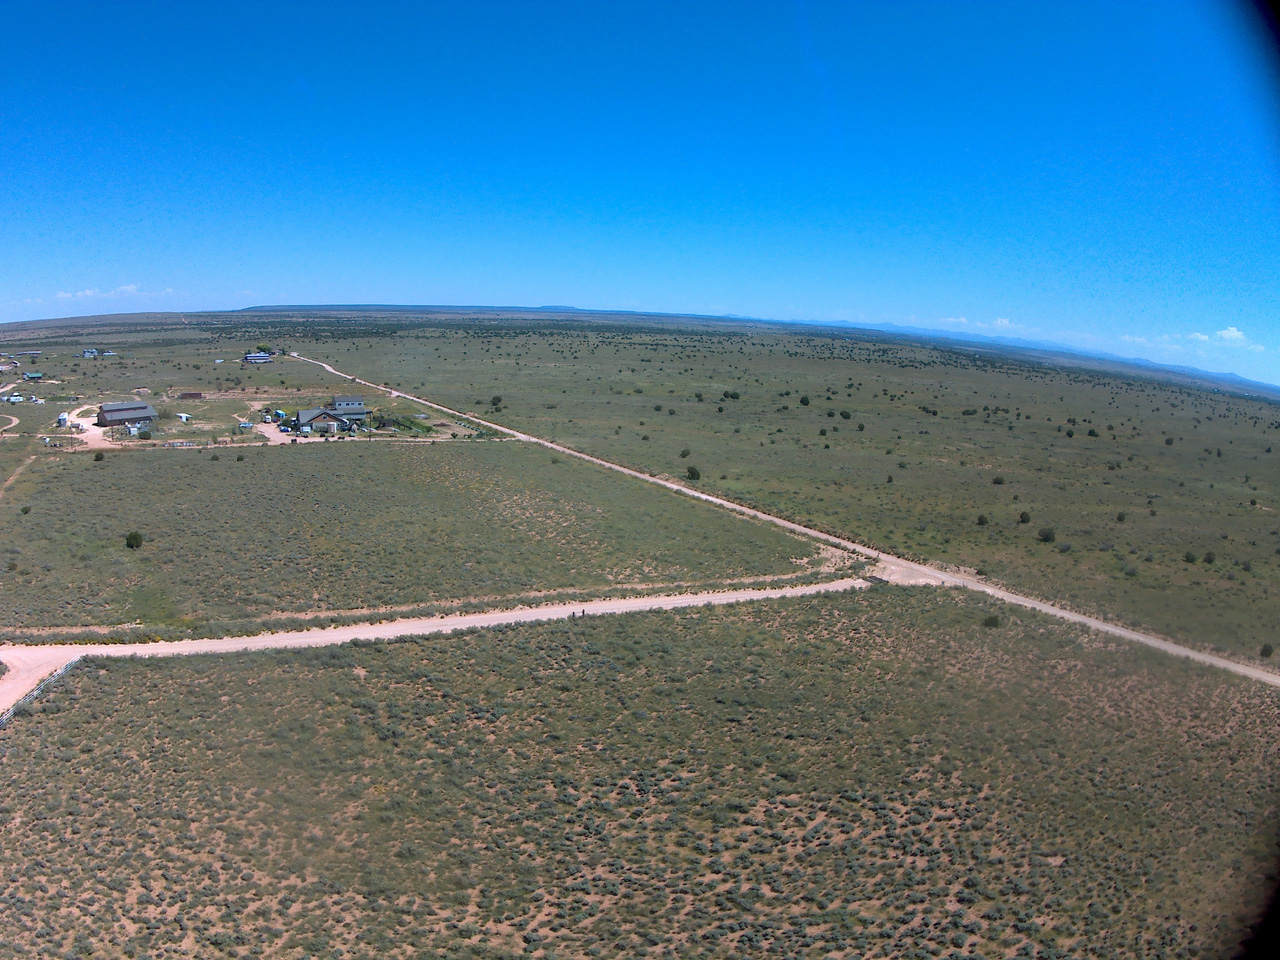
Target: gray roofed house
column 129, row 411
column 322, row 420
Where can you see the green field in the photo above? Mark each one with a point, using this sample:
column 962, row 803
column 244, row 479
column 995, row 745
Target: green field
column 1160, row 498
column 348, row 526
column 876, row 775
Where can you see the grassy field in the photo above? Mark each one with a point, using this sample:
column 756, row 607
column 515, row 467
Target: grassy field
column 874, row 776
column 270, row 532
column 1127, row 498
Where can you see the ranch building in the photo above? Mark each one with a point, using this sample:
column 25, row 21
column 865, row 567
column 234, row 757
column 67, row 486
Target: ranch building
column 127, row 412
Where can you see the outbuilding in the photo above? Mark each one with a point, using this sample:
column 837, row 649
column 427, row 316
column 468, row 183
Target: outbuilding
column 127, row 412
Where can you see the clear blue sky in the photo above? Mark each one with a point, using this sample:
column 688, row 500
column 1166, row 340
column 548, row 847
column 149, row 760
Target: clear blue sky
column 1104, row 175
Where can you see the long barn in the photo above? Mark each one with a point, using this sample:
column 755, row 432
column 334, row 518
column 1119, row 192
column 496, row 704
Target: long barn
column 128, row 411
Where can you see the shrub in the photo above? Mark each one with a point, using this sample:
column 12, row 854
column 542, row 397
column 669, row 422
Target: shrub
column 1190, row 557
column 991, row 620
column 133, row 540
column 1093, row 432
column 1071, row 433
column 890, row 480
column 804, row 401
column 861, row 427
column 26, row 510
column 1024, row 517
column 1064, row 548
column 998, row 480
column 1266, row 651
column 982, row 519
column 1120, row 517
column 845, row 414
column 1168, row 442
column 99, row 456
column 215, row 457
column 239, row 457
column 144, row 434
column 1210, row 556
column 684, row 453
column 694, row 473
column 1047, row 535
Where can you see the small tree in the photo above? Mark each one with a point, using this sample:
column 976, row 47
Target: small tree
column 99, row 456
column 804, row 401
column 982, row 519
column 694, row 474
column 1047, row 535
column 1190, row 557
column 133, row 540
column 1210, row 556
column 684, row 453
column 991, row 620
column 1266, row 651
column 1024, row 517
column 1120, row 517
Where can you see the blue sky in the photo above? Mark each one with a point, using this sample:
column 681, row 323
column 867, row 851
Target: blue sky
column 1100, row 175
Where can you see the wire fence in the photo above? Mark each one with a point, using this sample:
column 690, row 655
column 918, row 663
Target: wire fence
column 9, row 714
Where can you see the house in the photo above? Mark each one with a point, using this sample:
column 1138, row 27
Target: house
column 349, row 408
column 258, row 358
column 33, row 375
column 127, row 412
column 321, row 420
column 89, row 354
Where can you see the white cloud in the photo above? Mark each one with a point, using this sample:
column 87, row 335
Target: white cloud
column 1233, row 335
column 1003, row 323
column 1197, row 336
column 124, row 290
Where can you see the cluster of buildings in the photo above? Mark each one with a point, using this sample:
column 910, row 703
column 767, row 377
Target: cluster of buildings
column 343, row 413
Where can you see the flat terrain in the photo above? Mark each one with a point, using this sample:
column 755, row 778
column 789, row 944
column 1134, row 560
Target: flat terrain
column 901, row 771
column 871, row 774
column 350, row 526
column 936, row 441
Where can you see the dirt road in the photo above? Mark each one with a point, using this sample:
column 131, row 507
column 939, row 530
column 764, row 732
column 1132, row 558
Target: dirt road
column 30, row 663
column 896, row 568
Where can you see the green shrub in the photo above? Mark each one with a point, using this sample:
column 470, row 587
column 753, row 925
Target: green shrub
column 133, row 540
column 694, row 474
column 1047, row 535
column 99, row 456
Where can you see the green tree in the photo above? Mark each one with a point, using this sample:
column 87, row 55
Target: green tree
column 133, row 540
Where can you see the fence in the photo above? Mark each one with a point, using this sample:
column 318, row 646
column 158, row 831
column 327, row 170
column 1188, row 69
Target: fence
column 40, row 687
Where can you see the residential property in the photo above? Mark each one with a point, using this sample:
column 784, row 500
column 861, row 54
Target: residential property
column 33, row 375
column 125, row 413
column 258, row 358
column 89, row 354
column 63, row 419
column 321, row 420
column 349, row 408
